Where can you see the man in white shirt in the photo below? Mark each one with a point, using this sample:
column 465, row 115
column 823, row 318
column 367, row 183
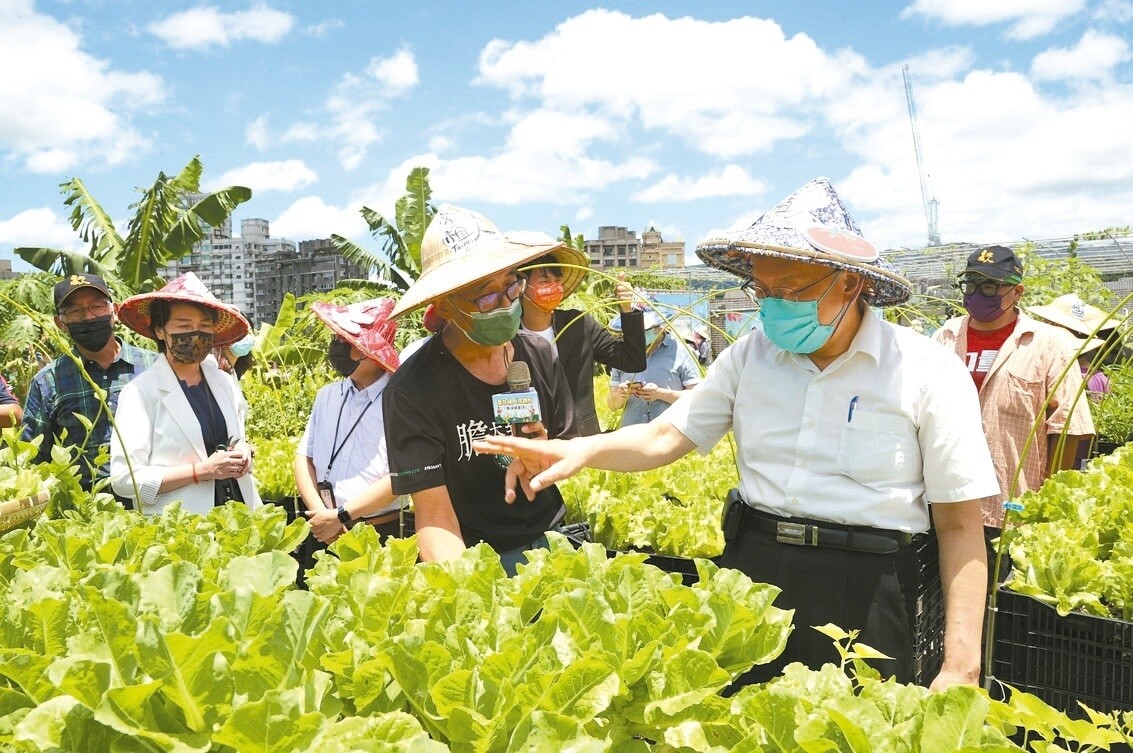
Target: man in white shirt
column 847, row 427
column 341, row 466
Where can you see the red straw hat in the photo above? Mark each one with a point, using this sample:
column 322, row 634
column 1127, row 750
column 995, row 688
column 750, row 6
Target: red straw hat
column 365, row 325
column 230, row 323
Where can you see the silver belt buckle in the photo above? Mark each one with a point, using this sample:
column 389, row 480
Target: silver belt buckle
column 790, row 533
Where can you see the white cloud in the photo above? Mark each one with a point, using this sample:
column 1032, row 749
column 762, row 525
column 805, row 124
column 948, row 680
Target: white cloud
column 441, row 143
column 320, row 29
column 1005, row 160
column 1118, row 11
column 62, row 106
column 545, row 159
column 288, row 175
column 1028, row 18
column 354, row 105
column 311, row 217
column 397, row 73
column 256, row 133
column 205, row 26
column 705, row 82
column 583, row 214
column 39, row 228
column 731, row 180
column 1094, row 57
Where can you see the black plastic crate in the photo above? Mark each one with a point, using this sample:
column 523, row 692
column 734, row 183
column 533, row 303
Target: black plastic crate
column 927, row 616
column 1063, row 660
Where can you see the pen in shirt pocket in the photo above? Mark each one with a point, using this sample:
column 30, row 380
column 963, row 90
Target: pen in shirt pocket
column 850, row 412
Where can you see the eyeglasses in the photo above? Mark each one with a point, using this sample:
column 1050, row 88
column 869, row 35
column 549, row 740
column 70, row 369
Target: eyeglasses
column 491, row 301
column 75, row 314
column 987, row 288
column 757, row 293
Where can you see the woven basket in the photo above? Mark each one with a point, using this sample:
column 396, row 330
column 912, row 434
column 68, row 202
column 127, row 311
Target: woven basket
column 19, row 511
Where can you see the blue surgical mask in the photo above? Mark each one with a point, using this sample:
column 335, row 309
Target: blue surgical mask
column 651, row 336
column 794, row 325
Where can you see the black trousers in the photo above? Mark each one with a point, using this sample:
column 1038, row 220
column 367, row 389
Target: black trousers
column 873, row 593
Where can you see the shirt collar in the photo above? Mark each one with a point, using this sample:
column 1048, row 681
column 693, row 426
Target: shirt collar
column 370, row 393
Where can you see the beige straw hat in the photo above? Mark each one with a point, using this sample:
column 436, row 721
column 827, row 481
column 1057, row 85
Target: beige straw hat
column 1074, row 314
column 461, row 247
column 575, row 263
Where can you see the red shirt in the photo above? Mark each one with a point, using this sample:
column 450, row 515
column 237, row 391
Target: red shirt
column 983, row 347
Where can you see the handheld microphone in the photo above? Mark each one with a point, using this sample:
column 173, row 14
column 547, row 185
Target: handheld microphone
column 520, row 404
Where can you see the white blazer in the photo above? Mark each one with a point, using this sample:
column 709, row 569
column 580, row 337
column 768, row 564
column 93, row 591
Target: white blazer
column 157, row 429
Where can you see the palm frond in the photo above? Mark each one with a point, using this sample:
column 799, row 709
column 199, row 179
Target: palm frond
column 92, row 223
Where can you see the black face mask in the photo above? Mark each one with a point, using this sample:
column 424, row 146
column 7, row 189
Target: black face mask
column 92, row 334
column 190, row 347
column 339, row 357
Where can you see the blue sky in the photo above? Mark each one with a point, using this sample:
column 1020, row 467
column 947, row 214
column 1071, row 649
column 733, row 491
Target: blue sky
column 694, row 117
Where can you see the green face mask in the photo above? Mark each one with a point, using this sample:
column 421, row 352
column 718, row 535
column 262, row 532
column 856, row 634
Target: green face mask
column 495, row 327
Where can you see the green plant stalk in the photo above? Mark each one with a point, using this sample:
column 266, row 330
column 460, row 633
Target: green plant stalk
column 1009, row 514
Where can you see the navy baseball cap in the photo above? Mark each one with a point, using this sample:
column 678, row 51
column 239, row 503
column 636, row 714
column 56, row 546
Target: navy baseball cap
column 997, row 263
column 71, row 283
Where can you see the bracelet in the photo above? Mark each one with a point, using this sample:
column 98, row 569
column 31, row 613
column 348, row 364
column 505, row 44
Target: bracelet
column 195, row 479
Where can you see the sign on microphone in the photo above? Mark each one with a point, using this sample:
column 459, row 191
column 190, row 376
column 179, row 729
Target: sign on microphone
column 520, row 404
column 516, row 407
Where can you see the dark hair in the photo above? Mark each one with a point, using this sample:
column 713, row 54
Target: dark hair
column 160, row 310
column 555, row 270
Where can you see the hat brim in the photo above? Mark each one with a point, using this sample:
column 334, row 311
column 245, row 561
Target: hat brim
column 887, row 288
column 377, row 349
column 134, row 312
column 1055, row 315
column 574, row 263
column 462, row 271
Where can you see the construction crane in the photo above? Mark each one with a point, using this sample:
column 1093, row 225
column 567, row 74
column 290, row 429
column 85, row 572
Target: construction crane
column 930, row 203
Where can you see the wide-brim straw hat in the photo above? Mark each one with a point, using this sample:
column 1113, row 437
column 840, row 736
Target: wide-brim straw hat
column 811, row 225
column 230, row 323
column 461, row 247
column 1074, row 314
column 574, row 262
column 365, row 325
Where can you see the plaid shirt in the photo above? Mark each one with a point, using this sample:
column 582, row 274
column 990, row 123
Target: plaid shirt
column 1026, row 371
column 59, row 393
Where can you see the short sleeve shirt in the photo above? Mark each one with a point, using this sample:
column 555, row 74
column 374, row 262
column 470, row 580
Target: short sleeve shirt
column 670, row 366
column 435, row 409
column 890, row 425
column 1027, row 370
column 348, row 424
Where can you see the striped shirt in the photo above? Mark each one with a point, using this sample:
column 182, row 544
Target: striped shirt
column 59, row 394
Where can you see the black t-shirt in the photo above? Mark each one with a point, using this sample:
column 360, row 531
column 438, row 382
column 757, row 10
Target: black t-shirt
column 434, row 410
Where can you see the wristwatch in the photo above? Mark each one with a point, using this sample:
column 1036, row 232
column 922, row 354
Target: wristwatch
column 344, row 516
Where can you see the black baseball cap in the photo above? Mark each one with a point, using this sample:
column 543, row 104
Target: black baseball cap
column 997, row 263
column 71, row 283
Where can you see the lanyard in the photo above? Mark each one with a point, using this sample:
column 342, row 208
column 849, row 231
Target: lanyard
column 336, row 448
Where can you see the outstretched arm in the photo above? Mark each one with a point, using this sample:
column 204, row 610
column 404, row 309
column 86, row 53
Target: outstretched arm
column 634, row 448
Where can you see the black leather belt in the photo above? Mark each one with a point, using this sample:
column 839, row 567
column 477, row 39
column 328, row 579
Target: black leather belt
column 801, row 532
